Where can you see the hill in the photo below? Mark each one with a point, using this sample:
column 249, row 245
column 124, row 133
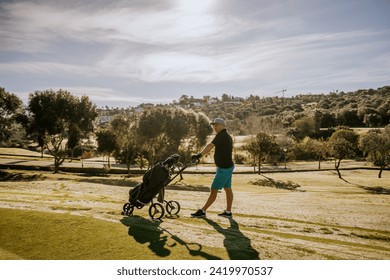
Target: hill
column 360, row 108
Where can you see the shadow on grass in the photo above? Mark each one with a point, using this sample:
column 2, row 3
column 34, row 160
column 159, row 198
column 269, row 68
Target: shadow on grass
column 150, row 231
column 185, row 187
column 132, row 183
column 10, row 176
column 19, row 176
column 377, row 190
column 127, row 182
column 120, row 182
column 194, row 249
column 236, row 243
column 269, row 182
column 147, row 231
column 372, row 190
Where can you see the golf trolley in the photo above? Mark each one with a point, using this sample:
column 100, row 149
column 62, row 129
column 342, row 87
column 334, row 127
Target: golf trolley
column 153, row 184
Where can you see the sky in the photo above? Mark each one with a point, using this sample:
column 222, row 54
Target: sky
column 123, row 53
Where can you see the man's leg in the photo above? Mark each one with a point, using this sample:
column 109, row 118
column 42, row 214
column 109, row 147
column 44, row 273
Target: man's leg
column 229, row 199
column 211, row 199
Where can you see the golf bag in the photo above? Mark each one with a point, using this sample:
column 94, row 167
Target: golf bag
column 153, row 183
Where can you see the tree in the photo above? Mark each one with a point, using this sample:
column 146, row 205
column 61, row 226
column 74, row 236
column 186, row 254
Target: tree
column 74, row 138
column 165, row 131
column 54, row 116
column 342, row 145
column 349, row 117
column 107, row 143
column 81, row 122
column 328, row 119
column 10, row 108
column 320, row 149
column 183, row 100
column 372, row 120
column 202, row 128
column 305, row 126
column 309, row 149
column 376, row 144
column 261, row 146
column 151, row 131
column 225, row 97
column 199, row 130
column 176, row 128
column 125, row 127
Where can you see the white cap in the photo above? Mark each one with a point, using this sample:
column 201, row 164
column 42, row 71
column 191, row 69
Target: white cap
column 218, row 121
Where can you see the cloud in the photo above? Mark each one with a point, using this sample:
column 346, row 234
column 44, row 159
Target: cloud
column 101, row 95
column 48, row 68
column 131, row 47
column 263, row 59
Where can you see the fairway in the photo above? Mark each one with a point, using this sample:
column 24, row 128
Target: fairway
column 49, row 236
column 66, row 216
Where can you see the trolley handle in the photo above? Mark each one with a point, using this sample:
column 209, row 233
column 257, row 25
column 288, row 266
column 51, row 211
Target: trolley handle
column 193, row 162
column 182, row 168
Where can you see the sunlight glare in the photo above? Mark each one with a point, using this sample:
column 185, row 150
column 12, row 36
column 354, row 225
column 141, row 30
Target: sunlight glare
column 195, row 7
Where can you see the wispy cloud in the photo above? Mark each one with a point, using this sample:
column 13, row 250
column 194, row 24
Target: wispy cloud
column 126, row 45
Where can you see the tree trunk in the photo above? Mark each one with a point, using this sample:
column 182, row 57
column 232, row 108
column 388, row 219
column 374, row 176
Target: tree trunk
column 319, row 162
column 337, row 165
column 380, row 172
column 129, row 161
column 56, row 164
column 71, row 154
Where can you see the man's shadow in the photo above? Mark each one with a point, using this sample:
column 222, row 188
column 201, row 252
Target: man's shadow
column 148, row 231
column 194, row 249
column 236, row 243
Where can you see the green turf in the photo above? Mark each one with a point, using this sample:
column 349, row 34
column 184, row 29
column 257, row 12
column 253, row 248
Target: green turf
column 51, row 236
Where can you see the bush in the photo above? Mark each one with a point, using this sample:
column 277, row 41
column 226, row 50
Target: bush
column 240, row 159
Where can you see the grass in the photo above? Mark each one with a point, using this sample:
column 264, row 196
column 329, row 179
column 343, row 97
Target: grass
column 268, row 182
column 372, row 236
column 329, row 219
column 49, row 236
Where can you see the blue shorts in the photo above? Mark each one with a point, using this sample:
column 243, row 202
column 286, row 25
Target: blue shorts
column 223, row 178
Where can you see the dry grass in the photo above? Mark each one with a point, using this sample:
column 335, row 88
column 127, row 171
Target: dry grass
column 328, row 218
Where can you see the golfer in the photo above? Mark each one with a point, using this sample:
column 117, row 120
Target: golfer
column 223, row 145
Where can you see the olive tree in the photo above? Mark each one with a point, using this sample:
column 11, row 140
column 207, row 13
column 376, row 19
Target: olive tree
column 261, row 146
column 376, row 144
column 342, row 145
column 54, row 116
column 10, row 108
column 125, row 129
column 107, row 143
column 166, row 131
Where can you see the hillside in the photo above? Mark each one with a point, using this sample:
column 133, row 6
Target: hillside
column 361, row 108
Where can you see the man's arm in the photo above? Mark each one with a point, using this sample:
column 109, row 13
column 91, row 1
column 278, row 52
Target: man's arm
column 207, row 149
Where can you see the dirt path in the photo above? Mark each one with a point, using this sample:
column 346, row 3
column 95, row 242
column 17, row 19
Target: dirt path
column 325, row 218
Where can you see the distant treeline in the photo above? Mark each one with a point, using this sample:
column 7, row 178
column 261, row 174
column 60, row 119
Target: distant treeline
column 254, row 114
column 302, row 127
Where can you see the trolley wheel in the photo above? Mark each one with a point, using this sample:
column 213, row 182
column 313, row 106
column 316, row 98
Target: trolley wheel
column 173, row 207
column 128, row 209
column 156, row 211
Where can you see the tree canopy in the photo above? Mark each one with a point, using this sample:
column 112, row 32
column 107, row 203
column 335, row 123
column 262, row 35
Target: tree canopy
column 376, row 144
column 56, row 116
column 10, row 109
